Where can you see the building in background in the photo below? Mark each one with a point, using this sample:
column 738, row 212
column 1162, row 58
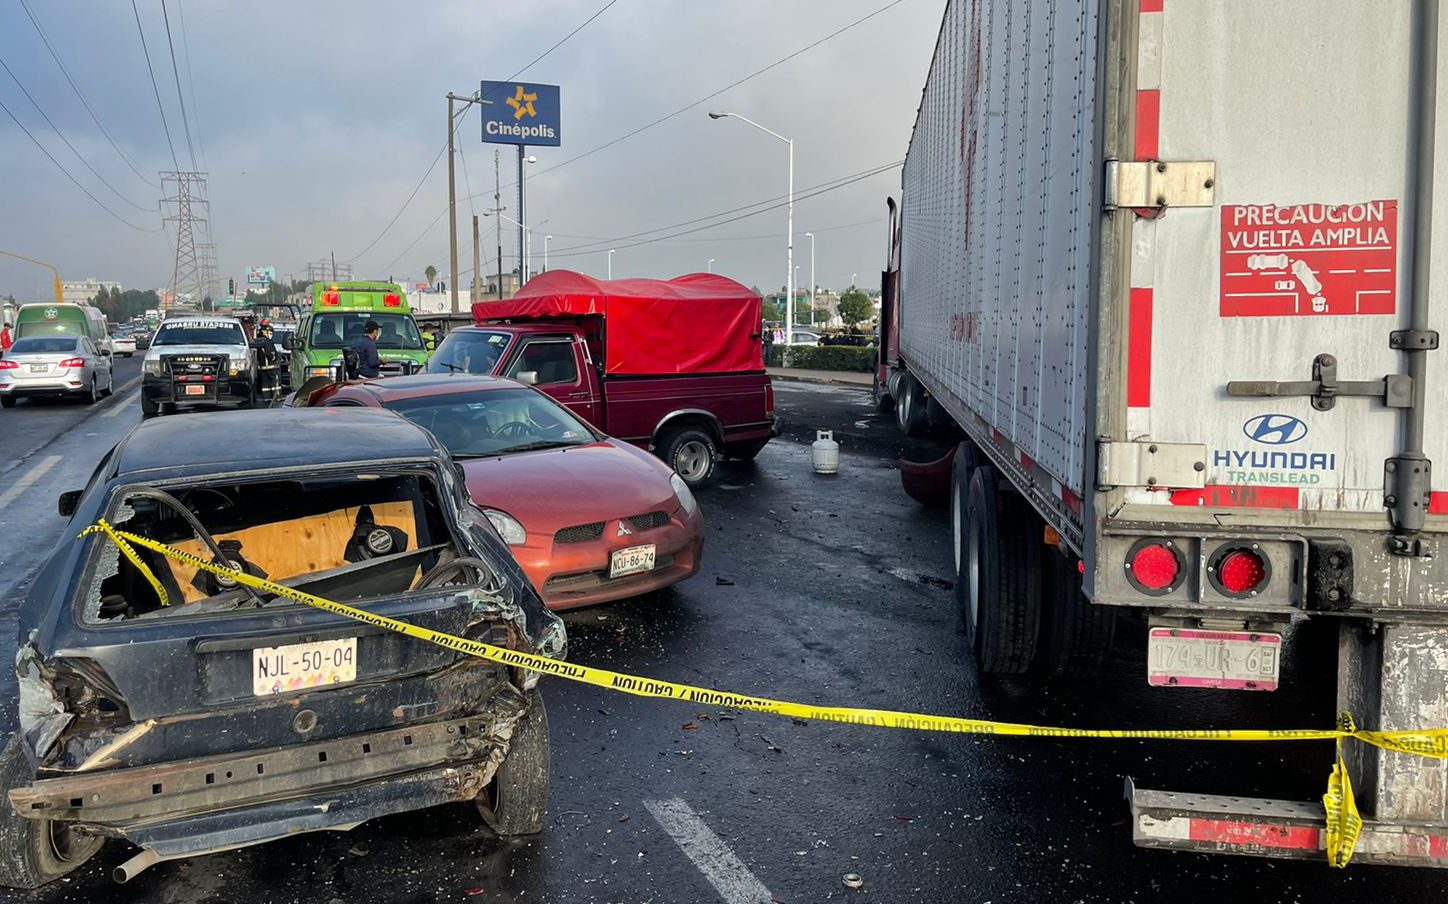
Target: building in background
column 83, row 291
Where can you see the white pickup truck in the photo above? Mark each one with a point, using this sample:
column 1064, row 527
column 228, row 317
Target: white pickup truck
column 196, row 361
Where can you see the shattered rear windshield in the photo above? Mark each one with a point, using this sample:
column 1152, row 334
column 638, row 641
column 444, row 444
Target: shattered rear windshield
column 347, row 538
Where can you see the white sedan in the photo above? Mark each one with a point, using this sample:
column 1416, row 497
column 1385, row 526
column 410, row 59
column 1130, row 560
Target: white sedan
column 123, row 345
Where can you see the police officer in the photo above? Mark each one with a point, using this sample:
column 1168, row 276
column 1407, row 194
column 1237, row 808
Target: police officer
column 369, row 362
column 266, row 361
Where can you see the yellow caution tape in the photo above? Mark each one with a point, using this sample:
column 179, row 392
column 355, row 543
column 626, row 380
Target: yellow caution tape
column 1344, row 823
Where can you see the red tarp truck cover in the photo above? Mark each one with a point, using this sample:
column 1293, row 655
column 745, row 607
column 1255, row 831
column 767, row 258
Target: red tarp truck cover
column 698, row 323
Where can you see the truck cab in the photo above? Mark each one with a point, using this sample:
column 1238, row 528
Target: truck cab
column 691, row 392
column 338, row 315
column 198, row 360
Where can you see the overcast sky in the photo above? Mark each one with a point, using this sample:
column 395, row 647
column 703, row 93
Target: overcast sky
column 316, row 120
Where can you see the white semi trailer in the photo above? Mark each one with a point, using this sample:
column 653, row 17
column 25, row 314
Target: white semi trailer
column 1167, row 266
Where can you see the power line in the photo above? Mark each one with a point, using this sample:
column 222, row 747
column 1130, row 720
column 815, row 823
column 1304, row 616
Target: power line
column 151, row 69
column 61, row 136
column 62, row 168
column 708, row 97
column 443, row 149
column 176, row 73
column 574, row 251
column 195, row 107
column 85, row 103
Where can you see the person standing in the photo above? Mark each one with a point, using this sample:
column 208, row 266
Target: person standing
column 369, row 362
column 266, row 362
column 6, row 340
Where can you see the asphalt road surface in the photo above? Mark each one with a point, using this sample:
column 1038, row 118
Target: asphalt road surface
column 833, row 590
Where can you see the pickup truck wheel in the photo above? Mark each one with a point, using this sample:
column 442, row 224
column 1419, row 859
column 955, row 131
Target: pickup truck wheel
column 149, row 408
column 1001, row 569
column 34, row 851
column 910, row 406
column 692, row 455
column 516, row 800
column 1077, row 634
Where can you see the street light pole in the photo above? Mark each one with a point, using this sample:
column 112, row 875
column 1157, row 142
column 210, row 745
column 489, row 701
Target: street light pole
column 546, row 240
column 711, row 265
column 452, row 190
column 789, row 225
column 812, row 281
column 610, row 263
column 59, row 289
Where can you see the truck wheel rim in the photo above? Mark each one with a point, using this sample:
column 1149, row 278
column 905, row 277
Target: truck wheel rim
column 955, row 524
column 692, row 460
column 972, row 575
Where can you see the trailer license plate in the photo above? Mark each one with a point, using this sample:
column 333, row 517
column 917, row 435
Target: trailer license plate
column 277, row 670
column 632, row 560
column 1235, row 660
column 195, row 390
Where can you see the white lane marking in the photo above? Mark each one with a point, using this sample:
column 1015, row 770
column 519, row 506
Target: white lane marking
column 729, row 876
column 25, row 482
column 118, row 405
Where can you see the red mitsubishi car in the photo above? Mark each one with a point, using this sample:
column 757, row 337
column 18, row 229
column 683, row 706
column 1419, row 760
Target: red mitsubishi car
column 589, row 518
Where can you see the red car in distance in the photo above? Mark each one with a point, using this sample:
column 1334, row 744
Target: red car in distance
column 589, row 518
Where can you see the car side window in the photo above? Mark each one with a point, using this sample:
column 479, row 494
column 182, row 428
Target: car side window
column 552, row 360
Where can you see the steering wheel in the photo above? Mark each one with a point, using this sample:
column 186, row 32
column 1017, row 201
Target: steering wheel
column 513, row 430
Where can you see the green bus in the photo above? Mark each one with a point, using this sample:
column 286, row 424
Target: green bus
column 339, row 311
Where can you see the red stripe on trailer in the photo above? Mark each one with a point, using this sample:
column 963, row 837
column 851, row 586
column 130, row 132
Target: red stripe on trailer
column 1138, row 350
column 1151, row 6
column 1438, row 503
column 1437, row 846
column 1256, row 834
column 1026, row 462
column 1148, row 124
column 1224, row 496
column 1073, row 502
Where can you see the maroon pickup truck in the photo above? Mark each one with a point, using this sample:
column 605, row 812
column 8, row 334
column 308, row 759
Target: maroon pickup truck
column 674, row 366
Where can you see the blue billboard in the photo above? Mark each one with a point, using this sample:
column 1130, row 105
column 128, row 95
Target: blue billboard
column 519, row 113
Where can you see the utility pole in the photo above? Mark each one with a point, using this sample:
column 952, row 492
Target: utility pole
column 334, row 266
column 498, row 209
column 522, row 250
column 477, row 259
column 452, row 189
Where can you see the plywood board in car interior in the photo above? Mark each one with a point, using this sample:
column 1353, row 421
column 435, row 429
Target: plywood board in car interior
column 285, row 549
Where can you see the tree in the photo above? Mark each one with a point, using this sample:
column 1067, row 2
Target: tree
column 772, row 310
column 855, row 307
column 431, row 274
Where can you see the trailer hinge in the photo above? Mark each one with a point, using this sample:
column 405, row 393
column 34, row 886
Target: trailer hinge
column 1176, row 465
column 1407, row 491
column 1395, row 390
column 1160, row 183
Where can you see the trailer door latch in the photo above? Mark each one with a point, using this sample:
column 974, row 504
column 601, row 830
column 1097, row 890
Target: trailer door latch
column 1395, row 390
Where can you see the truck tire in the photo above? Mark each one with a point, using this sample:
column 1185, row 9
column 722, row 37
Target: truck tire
column 516, row 800
column 1077, row 635
column 34, row 851
column 691, row 453
column 910, row 406
column 1001, row 572
column 149, row 408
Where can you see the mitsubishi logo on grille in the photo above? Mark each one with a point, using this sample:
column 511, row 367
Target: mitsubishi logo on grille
column 623, row 530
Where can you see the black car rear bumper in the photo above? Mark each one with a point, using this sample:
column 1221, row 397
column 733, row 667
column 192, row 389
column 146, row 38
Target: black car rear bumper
column 215, row 803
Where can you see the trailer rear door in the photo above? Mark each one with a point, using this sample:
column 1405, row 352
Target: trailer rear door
column 1306, row 108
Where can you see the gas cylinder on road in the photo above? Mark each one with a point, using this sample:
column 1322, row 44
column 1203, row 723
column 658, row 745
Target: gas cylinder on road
column 824, row 452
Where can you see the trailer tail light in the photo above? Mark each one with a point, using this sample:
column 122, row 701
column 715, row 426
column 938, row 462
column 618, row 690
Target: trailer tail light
column 392, row 301
column 1155, row 567
column 331, row 298
column 1239, row 570
column 72, row 362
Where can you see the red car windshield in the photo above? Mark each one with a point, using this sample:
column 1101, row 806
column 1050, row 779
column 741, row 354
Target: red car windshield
column 495, row 422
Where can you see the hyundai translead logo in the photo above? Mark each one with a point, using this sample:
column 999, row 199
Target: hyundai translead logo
column 1275, row 429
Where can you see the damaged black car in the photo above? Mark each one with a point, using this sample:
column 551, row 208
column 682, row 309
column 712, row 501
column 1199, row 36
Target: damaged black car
column 186, row 712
